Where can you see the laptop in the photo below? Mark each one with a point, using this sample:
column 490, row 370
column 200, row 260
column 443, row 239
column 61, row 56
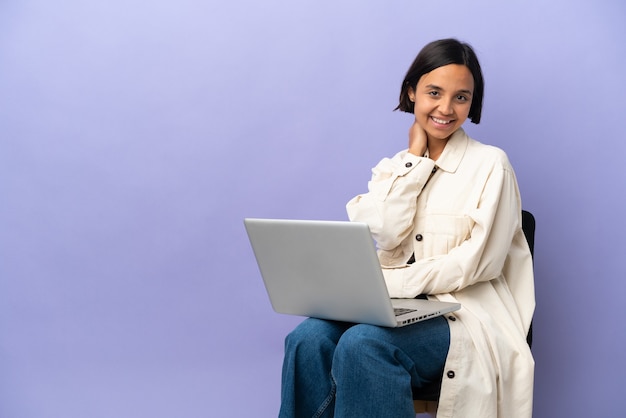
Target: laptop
column 330, row 270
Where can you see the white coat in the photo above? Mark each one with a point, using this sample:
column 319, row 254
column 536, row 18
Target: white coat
column 463, row 225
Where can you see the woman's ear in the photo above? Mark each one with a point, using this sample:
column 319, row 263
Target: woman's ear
column 411, row 94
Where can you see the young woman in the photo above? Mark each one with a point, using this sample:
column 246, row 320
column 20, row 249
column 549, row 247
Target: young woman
column 446, row 217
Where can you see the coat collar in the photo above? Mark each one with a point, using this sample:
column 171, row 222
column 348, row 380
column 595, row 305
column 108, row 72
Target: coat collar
column 453, row 152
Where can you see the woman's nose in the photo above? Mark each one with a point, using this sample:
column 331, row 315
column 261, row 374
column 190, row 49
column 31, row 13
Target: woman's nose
column 445, row 107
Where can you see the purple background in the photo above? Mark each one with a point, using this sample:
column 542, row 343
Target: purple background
column 136, row 135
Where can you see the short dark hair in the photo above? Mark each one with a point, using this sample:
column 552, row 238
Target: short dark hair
column 437, row 54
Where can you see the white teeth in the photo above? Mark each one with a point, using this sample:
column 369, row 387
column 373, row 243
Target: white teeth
column 444, row 122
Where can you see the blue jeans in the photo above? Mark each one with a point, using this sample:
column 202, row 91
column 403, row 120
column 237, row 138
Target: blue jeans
column 337, row 369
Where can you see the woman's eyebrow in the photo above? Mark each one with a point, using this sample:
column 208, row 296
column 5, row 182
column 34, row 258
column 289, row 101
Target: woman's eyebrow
column 434, row 87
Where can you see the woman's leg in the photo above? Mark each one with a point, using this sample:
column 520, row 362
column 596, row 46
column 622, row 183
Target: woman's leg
column 307, row 386
column 374, row 367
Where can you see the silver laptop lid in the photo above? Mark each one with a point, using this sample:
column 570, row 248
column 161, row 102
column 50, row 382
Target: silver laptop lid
column 321, row 269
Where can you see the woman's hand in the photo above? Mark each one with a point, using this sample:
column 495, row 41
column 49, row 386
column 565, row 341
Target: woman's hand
column 418, row 141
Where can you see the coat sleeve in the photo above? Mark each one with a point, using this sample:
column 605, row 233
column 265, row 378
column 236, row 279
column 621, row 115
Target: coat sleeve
column 389, row 206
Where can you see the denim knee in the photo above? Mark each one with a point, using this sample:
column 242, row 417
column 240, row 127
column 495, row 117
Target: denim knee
column 360, row 343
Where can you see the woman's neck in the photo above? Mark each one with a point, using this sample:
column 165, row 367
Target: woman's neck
column 436, row 147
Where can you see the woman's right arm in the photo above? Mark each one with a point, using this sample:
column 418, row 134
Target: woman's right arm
column 389, row 205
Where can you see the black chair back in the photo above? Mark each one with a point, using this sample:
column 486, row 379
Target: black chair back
column 528, row 226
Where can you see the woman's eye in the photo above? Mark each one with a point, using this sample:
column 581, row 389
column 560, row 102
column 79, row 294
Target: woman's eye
column 461, row 98
column 434, row 93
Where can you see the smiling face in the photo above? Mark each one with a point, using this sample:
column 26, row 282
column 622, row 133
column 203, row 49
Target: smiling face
column 443, row 98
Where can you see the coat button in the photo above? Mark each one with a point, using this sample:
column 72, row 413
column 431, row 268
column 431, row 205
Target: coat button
column 452, row 318
column 419, row 237
column 408, row 165
column 450, row 374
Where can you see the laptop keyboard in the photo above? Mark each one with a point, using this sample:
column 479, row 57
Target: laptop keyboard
column 402, row 311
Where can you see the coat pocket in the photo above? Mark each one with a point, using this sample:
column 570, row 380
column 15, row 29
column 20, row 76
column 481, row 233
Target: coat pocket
column 443, row 232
